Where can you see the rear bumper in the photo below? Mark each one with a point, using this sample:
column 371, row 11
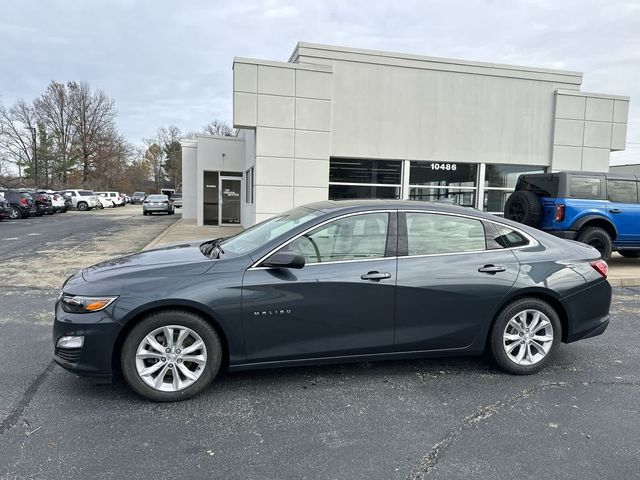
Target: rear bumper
column 566, row 234
column 588, row 312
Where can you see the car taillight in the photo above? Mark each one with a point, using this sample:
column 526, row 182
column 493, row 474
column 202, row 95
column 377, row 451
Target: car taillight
column 24, row 202
column 601, row 267
column 559, row 213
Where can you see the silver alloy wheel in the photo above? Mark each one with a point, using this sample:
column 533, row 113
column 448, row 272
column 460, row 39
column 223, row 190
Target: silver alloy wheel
column 528, row 337
column 171, row 358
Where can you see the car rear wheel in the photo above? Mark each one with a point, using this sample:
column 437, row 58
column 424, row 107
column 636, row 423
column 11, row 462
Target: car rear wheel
column 525, row 336
column 171, row 356
column 597, row 238
column 15, row 213
column 83, row 207
column 630, row 253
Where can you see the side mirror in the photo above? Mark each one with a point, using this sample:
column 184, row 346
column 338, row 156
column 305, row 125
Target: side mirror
column 284, row 260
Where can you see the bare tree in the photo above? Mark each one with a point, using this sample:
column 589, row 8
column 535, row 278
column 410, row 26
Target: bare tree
column 218, row 127
column 154, row 155
column 18, row 137
column 57, row 110
column 94, row 119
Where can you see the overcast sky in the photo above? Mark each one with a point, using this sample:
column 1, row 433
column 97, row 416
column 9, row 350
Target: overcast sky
column 169, row 62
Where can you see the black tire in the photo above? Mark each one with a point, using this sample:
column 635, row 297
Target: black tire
column 630, row 253
column 506, row 314
column 15, row 214
column 597, row 238
column 171, row 317
column 523, row 207
column 144, row 213
column 83, row 206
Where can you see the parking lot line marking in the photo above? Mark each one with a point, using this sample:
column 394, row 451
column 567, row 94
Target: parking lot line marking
column 33, row 234
column 13, row 238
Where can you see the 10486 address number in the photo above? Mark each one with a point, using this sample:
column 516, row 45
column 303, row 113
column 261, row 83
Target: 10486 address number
column 443, row 166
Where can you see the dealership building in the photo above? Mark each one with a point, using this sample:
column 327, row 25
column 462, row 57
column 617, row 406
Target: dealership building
column 338, row 123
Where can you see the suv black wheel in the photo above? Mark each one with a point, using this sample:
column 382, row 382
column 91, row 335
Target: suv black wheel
column 525, row 336
column 523, row 207
column 597, row 238
column 630, row 253
column 171, row 355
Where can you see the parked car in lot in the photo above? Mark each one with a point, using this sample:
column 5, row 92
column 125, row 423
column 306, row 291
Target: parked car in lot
column 68, row 203
column 22, row 205
column 157, row 204
column 82, row 199
column 176, row 198
column 115, row 197
column 5, row 208
column 57, row 200
column 599, row 209
column 138, row 197
column 43, row 202
column 331, row 282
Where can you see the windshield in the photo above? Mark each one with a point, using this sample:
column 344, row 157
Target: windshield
column 261, row 233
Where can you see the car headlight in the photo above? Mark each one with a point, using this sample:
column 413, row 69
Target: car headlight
column 82, row 304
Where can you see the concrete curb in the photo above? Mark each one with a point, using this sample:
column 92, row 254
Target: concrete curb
column 624, row 281
column 162, row 234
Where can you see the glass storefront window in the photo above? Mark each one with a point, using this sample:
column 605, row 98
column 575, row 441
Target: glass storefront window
column 494, row 200
column 342, row 192
column 506, row 176
column 458, row 196
column 353, row 170
column 439, row 174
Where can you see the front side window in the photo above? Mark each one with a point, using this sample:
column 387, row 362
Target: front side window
column 585, row 187
column 432, row 234
column 356, row 237
column 622, row 191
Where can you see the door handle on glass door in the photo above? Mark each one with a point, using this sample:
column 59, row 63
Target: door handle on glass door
column 375, row 276
column 492, row 269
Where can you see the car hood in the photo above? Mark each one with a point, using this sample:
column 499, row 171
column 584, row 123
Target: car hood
column 178, row 257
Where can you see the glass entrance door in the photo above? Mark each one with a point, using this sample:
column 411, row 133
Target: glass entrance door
column 230, row 189
column 211, row 201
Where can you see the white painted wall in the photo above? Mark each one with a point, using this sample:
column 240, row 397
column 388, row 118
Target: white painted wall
column 189, row 176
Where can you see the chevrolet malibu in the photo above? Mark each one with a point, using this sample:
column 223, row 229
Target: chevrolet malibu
column 332, row 282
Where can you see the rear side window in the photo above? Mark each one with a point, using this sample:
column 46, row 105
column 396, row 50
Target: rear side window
column 86, row 193
column 432, row 234
column 622, row 191
column 501, row 236
column 543, row 185
column 585, row 187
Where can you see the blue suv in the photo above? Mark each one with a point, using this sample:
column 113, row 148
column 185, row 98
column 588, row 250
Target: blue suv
column 599, row 209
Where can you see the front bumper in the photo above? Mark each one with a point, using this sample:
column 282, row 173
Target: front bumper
column 100, row 332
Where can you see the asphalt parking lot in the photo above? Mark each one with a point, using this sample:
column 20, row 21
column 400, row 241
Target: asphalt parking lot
column 438, row 418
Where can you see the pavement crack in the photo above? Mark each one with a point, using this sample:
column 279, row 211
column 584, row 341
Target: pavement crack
column 426, row 464
column 16, row 414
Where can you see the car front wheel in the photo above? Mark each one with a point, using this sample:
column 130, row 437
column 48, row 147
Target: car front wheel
column 171, row 355
column 525, row 336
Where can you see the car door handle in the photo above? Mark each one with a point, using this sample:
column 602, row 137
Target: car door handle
column 615, row 210
column 375, row 276
column 492, row 268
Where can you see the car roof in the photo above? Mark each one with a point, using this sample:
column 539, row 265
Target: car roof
column 346, row 206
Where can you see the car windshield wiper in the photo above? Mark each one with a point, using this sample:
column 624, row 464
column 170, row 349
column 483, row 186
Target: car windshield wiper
column 213, row 246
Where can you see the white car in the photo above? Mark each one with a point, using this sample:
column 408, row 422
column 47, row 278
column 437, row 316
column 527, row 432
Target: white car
column 82, row 199
column 106, row 202
column 115, row 197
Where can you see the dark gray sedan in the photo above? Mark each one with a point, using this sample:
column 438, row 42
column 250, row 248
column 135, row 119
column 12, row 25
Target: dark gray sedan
column 331, row 282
